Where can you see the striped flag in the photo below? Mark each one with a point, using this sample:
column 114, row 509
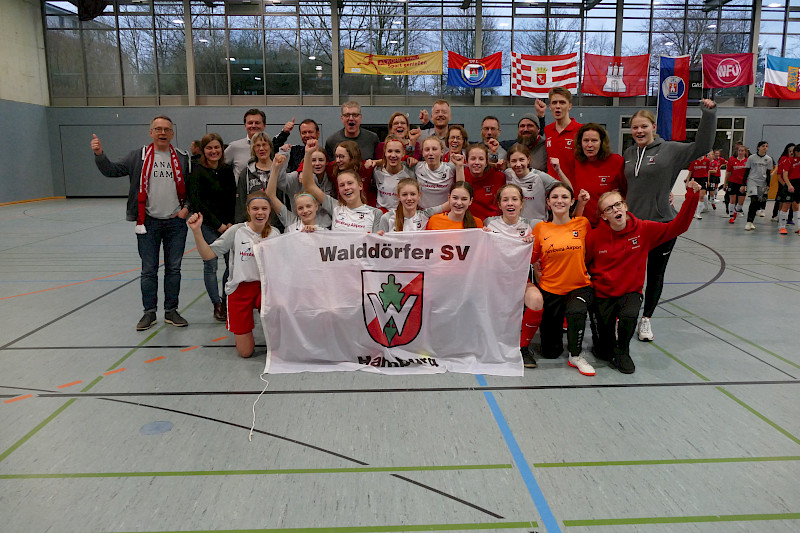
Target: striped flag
column 781, row 78
column 673, row 97
column 534, row 76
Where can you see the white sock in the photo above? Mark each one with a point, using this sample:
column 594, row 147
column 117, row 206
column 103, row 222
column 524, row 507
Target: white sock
column 699, row 208
column 782, row 217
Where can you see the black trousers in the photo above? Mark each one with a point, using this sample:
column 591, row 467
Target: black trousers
column 756, row 203
column 614, row 338
column 657, row 261
column 575, row 306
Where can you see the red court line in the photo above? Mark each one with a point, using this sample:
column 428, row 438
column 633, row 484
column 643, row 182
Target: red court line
column 113, row 371
column 80, row 282
column 189, row 348
column 155, row 359
column 219, row 339
column 65, row 385
column 18, row 398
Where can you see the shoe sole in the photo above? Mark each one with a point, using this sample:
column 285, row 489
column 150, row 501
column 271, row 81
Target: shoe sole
column 177, row 325
column 529, row 365
column 645, row 339
column 139, row 328
column 579, row 370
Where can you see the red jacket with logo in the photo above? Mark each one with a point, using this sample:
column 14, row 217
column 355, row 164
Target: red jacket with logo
column 617, row 260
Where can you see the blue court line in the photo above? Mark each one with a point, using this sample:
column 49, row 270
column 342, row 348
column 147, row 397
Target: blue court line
column 548, row 520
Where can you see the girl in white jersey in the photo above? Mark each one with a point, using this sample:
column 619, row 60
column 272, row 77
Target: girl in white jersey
column 243, row 289
column 532, row 182
column 389, row 171
column 408, row 216
column 306, row 215
column 351, row 213
column 511, row 201
column 434, row 176
column 291, row 185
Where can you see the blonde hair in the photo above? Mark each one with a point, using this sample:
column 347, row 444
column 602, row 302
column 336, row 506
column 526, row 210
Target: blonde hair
column 398, row 214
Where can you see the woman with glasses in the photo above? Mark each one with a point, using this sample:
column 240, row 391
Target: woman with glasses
column 616, row 258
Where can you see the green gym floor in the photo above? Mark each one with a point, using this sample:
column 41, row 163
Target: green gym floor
column 105, row 429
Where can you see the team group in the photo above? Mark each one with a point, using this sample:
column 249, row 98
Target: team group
column 591, row 250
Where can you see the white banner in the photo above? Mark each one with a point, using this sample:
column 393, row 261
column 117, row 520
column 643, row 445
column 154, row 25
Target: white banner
column 406, row 302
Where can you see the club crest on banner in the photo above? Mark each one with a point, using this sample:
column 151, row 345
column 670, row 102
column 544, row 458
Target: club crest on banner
column 473, row 73
column 673, row 88
column 392, row 304
column 541, row 75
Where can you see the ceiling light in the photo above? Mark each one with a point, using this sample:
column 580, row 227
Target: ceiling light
column 394, row 42
column 503, row 24
column 711, row 26
column 669, row 43
column 245, row 68
column 257, row 78
column 318, row 67
column 312, row 58
column 178, row 21
column 387, row 78
column 774, row 4
column 396, row 22
column 232, row 58
column 203, row 40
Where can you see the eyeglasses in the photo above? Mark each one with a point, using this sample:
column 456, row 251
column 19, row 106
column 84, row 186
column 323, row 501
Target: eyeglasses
column 610, row 209
column 162, row 130
column 351, row 115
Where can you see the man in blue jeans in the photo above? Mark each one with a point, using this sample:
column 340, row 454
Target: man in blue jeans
column 157, row 202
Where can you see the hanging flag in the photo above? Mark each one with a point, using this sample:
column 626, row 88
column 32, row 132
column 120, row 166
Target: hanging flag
column 361, row 63
column 407, row 302
column 673, row 96
column 465, row 72
column 780, row 78
column 615, row 75
column 727, row 70
column 534, row 76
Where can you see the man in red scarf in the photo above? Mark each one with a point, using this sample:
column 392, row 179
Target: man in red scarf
column 157, row 202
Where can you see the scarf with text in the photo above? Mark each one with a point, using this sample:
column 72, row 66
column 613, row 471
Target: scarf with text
column 144, row 182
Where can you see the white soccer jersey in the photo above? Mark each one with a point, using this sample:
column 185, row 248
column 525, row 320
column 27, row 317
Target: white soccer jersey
column 387, row 184
column 414, row 223
column 533, row 186
column 292, row 223
column 239, row 240
column 434, row 185
column 520, row 229
column 363, row 219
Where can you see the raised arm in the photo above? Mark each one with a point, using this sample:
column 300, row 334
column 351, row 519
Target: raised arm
column 307, row 176
column 205, row 251
column 583, row 199
column 278, row 167
column 557, row 167
column 458, row 161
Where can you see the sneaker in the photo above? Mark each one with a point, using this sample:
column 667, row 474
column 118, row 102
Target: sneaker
column 749, row 226
column 220, row 313
column 733, row 218
column 527, row 357
column 147, row 321
column 790, row 223
column 578, row 361
column 174, row 318
column 698, row 216
column 645, row 331
column 623, row 363
column 783, row 231
column 760, row 213
column 714, row 206
column 774, row 219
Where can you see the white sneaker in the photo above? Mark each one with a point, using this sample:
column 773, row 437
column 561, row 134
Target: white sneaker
column 698, row 216
column 579, row 362
column 760, row 213
column 749, row 226
column 645, row 331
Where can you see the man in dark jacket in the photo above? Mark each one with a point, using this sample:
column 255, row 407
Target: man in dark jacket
column 157, row 202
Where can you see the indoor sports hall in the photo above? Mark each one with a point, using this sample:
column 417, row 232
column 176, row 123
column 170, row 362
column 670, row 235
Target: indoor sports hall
column 108, row 429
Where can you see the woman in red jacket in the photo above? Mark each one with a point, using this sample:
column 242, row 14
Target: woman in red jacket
column 616, row 257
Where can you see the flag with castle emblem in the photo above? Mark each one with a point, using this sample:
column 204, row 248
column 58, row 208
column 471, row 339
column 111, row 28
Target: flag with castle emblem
column 673, row 97
column 615, row 75
column 534, row 76
column 401, row 303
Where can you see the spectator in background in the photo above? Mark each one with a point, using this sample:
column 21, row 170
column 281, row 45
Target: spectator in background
column 351, row 120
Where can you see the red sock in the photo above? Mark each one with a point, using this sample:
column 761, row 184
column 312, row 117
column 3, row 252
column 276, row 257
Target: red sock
column 530, row 324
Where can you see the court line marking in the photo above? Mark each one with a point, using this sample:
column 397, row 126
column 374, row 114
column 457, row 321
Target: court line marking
column 686, row 366
column 18, row 398
column 65, row 385
column 155, row 359
column 647, row 462
column 681, row 519
column 352, row 470
column 372, row 529
column 190, row 348
column 759, row 415
column 707, row 283
column 69, row 284
column 535, row 492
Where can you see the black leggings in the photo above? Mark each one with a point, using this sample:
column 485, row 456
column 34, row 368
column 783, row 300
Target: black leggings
column 612, row 343
column 656, row 267
column 575, row 306
column 756, row 203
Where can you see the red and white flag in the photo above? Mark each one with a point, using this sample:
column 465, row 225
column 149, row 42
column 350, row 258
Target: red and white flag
column 534, row 76
column 727, row 70
column 615, row 75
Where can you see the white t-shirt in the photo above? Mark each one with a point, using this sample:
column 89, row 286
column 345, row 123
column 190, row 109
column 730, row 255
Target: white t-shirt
column 292, row 223
column 414, row 223
column 290, row 184
column 387, row 184
column 434, row 185
column 520, row 229
column 239, row 240
column 364, row 219
column 534, row 186
column 162, row 196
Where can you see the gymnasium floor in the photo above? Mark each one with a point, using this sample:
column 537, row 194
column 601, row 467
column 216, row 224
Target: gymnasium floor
column 108, row 430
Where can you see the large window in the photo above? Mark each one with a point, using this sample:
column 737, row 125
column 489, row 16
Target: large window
column 263, row 51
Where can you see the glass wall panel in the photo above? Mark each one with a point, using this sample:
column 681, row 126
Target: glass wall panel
column 170, row 48
column 102, row 63
column 138, row 62
column 65, row 63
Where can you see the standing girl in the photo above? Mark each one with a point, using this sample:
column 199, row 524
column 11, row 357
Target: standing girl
column 291, row 185
column 244, row 286
column 789, row 175
column 459, row 215
column 734, row 175
column 434, row 176
column 398, row 127
column 511, row 202
column 532, row 182
column 783, row 197
column 652, row 166
column 347, row 156
column 212, row 191
column 484, row 179
column 756, row 170
column 698, row 171
column 559, row 246
column 351, row 213
column 255, row 175
column 389, row 172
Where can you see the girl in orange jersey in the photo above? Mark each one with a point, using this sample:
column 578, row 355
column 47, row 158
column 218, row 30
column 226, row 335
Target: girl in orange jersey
column 559, row 247
column 459, row 216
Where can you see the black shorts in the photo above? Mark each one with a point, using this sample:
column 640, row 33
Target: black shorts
column 735, row 189
column 703, row 182
column 796, row 194
column 783, row 194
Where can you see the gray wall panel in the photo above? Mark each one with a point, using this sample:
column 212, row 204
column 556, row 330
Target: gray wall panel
column 27, row 172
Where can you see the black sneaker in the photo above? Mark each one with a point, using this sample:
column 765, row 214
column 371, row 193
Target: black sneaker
column 174, row 318
column 527, row 357
column 623, row 363
column 147, row 321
